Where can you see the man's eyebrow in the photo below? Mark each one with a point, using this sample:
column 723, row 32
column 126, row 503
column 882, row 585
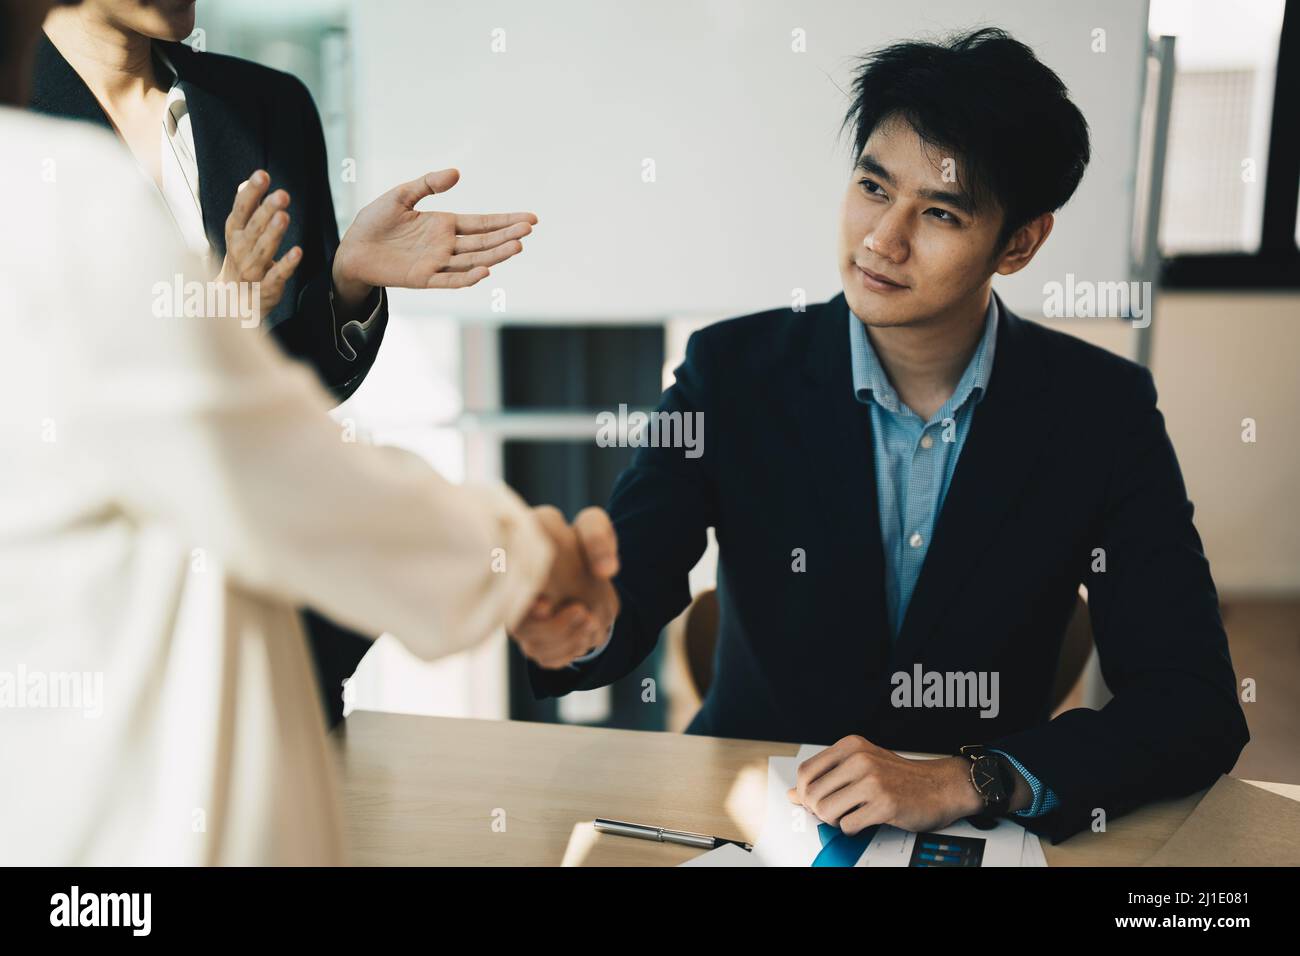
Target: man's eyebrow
column 958, row 200
column 869, row 164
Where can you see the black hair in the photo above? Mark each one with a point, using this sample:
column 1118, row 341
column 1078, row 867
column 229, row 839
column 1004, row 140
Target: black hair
column 989, row 102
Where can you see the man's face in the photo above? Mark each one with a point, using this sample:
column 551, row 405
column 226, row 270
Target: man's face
column 904, row 220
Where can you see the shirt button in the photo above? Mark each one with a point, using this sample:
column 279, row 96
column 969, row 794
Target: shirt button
column 927, row 441
column 915, row 540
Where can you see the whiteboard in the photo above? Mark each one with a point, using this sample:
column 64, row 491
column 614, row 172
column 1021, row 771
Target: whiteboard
column 749, row 166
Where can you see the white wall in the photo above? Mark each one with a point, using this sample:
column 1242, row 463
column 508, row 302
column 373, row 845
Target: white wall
column 1217, row 359
column 742, row 129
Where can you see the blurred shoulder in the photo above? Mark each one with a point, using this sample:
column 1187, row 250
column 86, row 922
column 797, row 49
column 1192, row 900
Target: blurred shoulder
column 55, row 167
column 83, row 221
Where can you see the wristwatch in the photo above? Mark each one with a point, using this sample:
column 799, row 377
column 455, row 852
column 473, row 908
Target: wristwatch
column 994, row 779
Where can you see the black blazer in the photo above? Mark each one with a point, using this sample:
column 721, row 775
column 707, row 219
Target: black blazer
column 1067, row 453
column 246, row 117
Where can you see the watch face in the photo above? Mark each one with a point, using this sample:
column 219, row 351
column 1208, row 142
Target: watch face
column 989, row 780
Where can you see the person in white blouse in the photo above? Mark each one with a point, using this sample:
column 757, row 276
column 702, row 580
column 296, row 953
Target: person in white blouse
column 172, row 491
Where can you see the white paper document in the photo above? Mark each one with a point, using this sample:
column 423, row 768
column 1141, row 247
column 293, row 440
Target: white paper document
column 791, row 836
column 726, row 855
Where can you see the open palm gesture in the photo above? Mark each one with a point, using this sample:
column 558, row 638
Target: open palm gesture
column 393, row 244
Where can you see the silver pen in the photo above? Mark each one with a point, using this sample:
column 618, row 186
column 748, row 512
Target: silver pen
column 662, row 835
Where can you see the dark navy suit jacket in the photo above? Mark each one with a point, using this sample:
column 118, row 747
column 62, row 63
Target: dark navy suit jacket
column 1067, row 453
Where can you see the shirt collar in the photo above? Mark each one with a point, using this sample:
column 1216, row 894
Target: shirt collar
column 176, row 107
column 870, row 380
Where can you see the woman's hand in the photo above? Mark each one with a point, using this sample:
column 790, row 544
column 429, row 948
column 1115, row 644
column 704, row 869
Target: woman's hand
column 254, row 229
column 393, row 244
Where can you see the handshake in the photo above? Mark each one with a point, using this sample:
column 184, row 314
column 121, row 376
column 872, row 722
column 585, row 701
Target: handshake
column 577, row 605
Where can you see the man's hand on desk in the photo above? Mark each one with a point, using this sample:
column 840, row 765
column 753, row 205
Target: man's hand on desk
column 578, row 605
column 855, row 784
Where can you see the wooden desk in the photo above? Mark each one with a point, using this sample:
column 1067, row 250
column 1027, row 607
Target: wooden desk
column 424, row 791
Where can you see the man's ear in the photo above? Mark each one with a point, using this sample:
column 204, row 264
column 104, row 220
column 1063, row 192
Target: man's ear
column 1024, row 244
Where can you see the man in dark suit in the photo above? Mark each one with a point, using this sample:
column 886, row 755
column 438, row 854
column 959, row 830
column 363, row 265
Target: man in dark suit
column 908, row 485
column 226, row 124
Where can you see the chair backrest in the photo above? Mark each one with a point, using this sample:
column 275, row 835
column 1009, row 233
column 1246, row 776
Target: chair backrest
column 701, row 638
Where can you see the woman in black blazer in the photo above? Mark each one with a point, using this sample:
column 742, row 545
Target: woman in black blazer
column 233, row 147
column 110, row 62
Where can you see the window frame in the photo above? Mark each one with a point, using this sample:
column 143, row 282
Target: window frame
column 1276, row 264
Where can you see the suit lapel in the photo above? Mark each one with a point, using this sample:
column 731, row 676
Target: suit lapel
column 835, row 431
column 1005, row 440
column 228, row 139
column 57, row 90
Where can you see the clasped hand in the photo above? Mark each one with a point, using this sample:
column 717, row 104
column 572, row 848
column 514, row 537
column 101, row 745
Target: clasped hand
column 577, row 606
